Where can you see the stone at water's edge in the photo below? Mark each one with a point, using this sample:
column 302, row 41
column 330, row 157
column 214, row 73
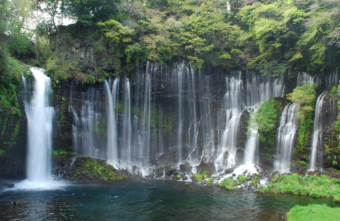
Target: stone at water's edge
column 86, row 169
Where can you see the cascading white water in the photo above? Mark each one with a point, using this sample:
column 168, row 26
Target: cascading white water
column 333, row 78
column 252, row 143
column 289, row 124
column 317, row 133
column 233, row 108
column 126, row 133
column 180, row 122
column 180, row 111
column 238, row 98
column 112, row 143
column 304, row 78
column 39, row 116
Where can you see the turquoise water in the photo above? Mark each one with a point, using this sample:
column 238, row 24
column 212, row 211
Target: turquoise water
column 149, row 200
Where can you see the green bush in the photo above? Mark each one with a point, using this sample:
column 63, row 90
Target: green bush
column 304, row 95
column 90, row 79
column 206, row 174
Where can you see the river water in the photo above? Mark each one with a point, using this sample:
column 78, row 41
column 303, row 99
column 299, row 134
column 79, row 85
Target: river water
column 147, row 200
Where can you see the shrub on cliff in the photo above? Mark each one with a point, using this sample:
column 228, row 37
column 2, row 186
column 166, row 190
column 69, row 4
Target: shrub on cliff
column 305, row 96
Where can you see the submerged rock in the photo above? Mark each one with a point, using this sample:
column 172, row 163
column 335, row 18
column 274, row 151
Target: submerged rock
column 18, row 202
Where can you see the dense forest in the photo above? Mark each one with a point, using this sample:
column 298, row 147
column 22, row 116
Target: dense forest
column 277, row 35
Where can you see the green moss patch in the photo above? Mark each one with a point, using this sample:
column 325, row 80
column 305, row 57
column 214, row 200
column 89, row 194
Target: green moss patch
column 313, row 212
column 97, row 169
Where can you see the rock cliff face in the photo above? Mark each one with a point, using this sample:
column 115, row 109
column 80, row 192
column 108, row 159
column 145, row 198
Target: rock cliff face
column 91, row 52
column 83, row 48
column 13, row 141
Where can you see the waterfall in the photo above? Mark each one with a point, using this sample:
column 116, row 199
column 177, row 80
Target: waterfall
column 252, row 143
column 180, row 111
column 169, row 115
column 146, row 132
column 233, row 110
column 39, row 116
column 112, row 100
column 285, row 136
column 317, row 133
column 23, row 93
column 304, row 78
column 126, row 133
column 333, row 78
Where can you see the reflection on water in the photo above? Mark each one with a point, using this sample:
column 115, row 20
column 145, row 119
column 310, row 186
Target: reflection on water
column 151, row 200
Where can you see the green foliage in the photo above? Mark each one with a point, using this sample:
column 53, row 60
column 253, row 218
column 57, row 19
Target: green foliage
column 59, row 70
column 313, row 212
column 264, row 121
column 16, row 129
column 211, row 181
column 334, row 91
column 305, row 96
column 255, row 181
column 311, row 185
column 229, row 184
column 98, row 168
column 4, row 126
column 206, row 174
column 242, row 178
column 56, row 153
column 275, row 178
column 2, row 152
column 198, row 177
column 90, row 79
column 303, row 163
column 178, row 176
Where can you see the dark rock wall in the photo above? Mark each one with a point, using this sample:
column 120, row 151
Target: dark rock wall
column 13, row 142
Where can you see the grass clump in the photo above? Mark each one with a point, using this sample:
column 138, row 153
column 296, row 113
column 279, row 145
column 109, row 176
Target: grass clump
column 255, row 181
column 313, row 212
column 275, row 178
column 206, row 174
column 313, row 185
column 242, row 178
column 229, row 184
column 199, row 177
column 211, row 181
column 302, row 163
column 56, row 153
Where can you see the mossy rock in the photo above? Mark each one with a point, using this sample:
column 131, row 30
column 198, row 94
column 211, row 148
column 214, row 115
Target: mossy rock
column 96, row 170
